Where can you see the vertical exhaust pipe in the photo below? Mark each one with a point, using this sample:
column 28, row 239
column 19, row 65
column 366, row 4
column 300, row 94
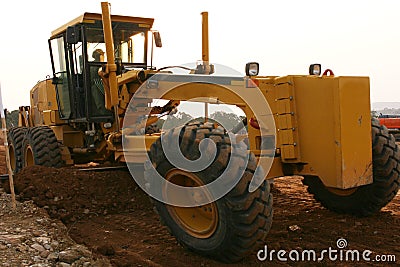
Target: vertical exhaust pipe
column 204, row 67
column 204, row 38
column 205, row 56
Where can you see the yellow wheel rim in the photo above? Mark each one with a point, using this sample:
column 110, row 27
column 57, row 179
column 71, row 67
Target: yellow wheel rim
column 200, row 222
column 29, row 159
column 13, row 161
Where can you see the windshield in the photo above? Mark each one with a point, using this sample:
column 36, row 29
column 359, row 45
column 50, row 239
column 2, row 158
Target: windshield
column 129, row 43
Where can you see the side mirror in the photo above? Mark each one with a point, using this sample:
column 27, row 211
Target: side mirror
column 73, row 35
column 157, row 38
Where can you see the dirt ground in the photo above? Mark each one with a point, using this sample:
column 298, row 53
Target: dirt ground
column 109, row 213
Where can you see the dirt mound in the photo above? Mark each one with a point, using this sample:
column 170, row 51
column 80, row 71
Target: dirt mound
column 69, row 194
column 107, row 212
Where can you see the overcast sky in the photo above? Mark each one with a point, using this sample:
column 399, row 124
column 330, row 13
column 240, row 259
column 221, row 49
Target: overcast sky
column 357, row 38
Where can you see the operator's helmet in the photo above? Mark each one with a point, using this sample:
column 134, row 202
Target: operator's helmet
column 97, row 53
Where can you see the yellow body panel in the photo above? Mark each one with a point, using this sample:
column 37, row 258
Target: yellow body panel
column 44, row 108
column 135, row 152
column 51, row 117
column 325, row 122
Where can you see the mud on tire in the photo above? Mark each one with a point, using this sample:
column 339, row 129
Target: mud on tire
column 369, row 199
column 243, row 218
column 40, row 147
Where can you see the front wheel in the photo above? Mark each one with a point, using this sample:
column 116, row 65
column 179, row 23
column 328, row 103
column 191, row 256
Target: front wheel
column 368, row 199
column 227, row 229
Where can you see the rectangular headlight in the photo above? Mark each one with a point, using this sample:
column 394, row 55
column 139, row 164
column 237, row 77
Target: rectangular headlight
column 315, row 69
column 252, row 68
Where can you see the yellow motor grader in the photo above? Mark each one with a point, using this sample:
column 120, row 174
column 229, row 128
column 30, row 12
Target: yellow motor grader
column 99, row 102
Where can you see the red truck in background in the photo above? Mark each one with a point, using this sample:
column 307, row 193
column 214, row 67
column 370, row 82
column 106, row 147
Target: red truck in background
column 392, row 122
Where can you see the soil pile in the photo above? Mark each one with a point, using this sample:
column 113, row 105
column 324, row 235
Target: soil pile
column 70, row 195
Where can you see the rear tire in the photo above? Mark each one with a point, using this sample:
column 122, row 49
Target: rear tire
column 15, row 138
column 369, row 199
column 40, row 147
column 234, row 225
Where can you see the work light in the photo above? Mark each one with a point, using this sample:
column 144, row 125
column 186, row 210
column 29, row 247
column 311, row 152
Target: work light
column 252, row 68
column 315, row 69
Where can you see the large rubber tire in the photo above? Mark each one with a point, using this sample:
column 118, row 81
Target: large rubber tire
column 369, row 199
column 15, row 137
column 243, row 219
column 152, row 129
column 40, row 147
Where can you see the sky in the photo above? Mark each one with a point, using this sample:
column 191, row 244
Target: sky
column 353, row 38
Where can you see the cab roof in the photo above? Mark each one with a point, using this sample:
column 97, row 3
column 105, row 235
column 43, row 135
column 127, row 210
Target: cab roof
column 91, row 17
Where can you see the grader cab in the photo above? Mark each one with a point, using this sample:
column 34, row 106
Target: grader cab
column 211, row 186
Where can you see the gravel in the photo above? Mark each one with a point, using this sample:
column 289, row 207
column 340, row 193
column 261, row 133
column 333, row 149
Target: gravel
column 28, row 237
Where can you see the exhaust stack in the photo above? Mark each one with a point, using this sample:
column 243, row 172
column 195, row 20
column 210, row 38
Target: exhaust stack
column 204, row 67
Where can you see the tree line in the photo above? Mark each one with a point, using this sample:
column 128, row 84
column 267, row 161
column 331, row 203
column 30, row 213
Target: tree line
column 228, row 120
